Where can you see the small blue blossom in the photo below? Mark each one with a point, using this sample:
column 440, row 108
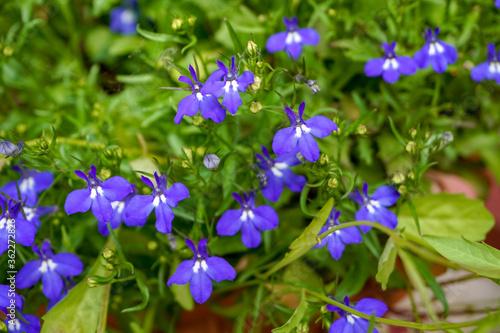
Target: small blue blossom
column 118, row 213
column 231, row 86
column 300, row 136
column 12, row 223
column 9, row 149
column 32, row 183
column 373, row 208
column 50, row 268
column 489, row 70
column 391, row 65
column 18, row 326
column 497, row 3
column 276, row 173
column 249, row 219
column 337, row 240
column 435, row 52
column 292, row 39
column 33, row 214
column 124, row 19
column 162, row 199
column 201, row 99
column 98, row 195
column 9, row 300
column 200, row 271
column 352, row 323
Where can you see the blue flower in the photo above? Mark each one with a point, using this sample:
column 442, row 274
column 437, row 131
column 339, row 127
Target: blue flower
column 337, row 240
column 497, row 3
column 123, row 20
column 438, row 53
column 9, row 300
column 118, row 213
column 391, row 65
column 292, row 39
column 162, row 199
column 231, row 86
column 12, row 223
column 98, row 195
column 33, row 214
column 200, row 271
column 249, row 219
column 50, row 268
column 201, row 99
column 373, row 208
column 9, row 149
column 32, row 183
column 18, row 326
column 300, row 136
column 276, row 173
column 352, row 323
column 489, row 70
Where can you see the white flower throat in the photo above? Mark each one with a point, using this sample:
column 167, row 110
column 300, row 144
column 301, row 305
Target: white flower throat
column 293, row 37
column 200, row 263
column 434, row 48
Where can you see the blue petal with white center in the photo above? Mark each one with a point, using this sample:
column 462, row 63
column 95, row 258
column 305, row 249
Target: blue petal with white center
column 489, row 70
column 12, row 218
column 97, row 196
column 200, row 271
column 50, row 268
column 436, row 53
column 373, row 208
column 292, row 39
column 301, row 134
column 202, row 99
column 18, row 326
column 337, row 240
column 32, row 183
column 276, row 173
column 352, row 323
column 391, row 65
column 249, row 219
column 161, row 201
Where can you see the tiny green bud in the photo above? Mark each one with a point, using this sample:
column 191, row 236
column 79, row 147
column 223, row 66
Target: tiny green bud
column 324, row 309
column 21, row 128
column 331, row 12
column 163, row 260
column 105, row 173
column 189, row 154
column 323, row 159
column 56, row 222
column 256, row 84
column 177, row 23
column 361, row 130
column 402, row 190
column 261, row 18
column 413, row 133
column 197, row 120
column 92, row 283
column 116, row 261
column 398, row 178
column 427, row 135
column 110, row 267
column 192, row 20
column 185, row 165
column 259, row 64
column 251, row 47
column 333, row 183
column 411, row 175
column 338, row 132
column 107, row 253
column 8, row 51
column 411, row 148
column 255, row 107
column 152, row 245
column 302, row 328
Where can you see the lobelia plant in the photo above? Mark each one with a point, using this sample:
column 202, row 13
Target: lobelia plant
column 390, row 66
column 435, row 52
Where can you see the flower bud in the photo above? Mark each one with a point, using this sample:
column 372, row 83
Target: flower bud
column 185, row 165
column 105, row 173
column 427, row 135
column 402, row 190
column 189, row 154
column 333, row 183
column 324, row 309
column 413, row 133
column 110, row 267
column 256, row 84
column 92, row 283
column 177, row 23
column 251, row 47
column 411, row 175
column 211, row 161
column 323, row 159
column 312, row 84
column 302, row 328
column 298, row 78
column 331, row 12
column 191, row 20
column 108, row 253
column 197, row 120
column 8, row 51
column 398, row 178
column 361, row 130
column 411, row 147
column 7, row 148
column 255, row 107
column 259, row 64
column 152, row 245
column 261, row 18
column 446, row 139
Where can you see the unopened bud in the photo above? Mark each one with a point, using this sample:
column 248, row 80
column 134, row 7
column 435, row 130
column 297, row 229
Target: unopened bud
column 163, row 260
column 92, row 283
column 255, row 107
column 361, row 129
column 189, row 154
column 211, row 161
column 192, row 20
column 413, row 133
column 302, row 328
column 177, row 23
column 261, row 18
column 110, row 267
column 323, row 159
column 259, row 64
column 315, row 88
column 338, row 131
column 185, row 165
column 398, row 178
column 333, row 183
column 8, row 51
column 256, row 84
column 411, row 147
column 411, row 175
column 7, row 148
column 108, row 253
column 105, row 173
column 152, row 245
column 427, row 135
column 197, row 120
column 331, row 12
column 324, row 309
column 251, row 47
column 298, row 78
column 402, row 190
column 446, row 139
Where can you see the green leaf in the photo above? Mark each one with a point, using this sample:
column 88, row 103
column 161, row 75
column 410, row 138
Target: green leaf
column 84, row 309
column 145, row 296
column 135, row 79
column 302, row 244
column 430, row 280
column 479, row 258
column 386, row 263
column 238, row 47
column 158, row 37
column 446, row 214
column 414, row 214
column 296, row 317
column 490, row 323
